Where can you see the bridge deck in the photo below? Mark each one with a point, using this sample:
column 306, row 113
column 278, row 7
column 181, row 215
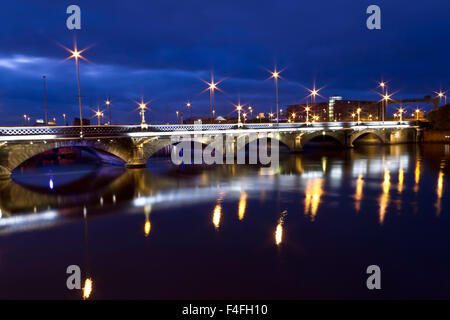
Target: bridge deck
column 107, row 131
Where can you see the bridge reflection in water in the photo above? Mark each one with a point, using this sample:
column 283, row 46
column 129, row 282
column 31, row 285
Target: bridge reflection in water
column 313, row 175
column 319, row 206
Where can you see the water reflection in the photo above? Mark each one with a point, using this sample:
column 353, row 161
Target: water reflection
column 147, row 225
column 417, row 173
column 164, row 186
column 87, row 289
column 313, row 194
column 279, row 229
column 440, row 188
column 242, row 205
column 359, row 192
column 384, row 198
column 217, row 213
column 326, row 187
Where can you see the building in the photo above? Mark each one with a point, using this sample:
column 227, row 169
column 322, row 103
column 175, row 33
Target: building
column 337, row 109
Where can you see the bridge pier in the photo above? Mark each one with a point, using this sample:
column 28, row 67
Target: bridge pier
column 137, row 159
column 4, row 173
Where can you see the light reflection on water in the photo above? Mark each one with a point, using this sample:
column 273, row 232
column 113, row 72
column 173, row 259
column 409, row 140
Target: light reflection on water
column 394, row 194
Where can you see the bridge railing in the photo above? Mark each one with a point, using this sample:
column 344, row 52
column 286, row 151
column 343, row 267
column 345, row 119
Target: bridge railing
column 106, row 130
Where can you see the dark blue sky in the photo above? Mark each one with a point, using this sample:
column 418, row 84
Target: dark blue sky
column 161, row 50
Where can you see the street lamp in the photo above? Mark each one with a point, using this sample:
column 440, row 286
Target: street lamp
column 417, row 114
column 441, row 95
column 211, row 87
column 45, row 101
column 400, row 112
column 245, row 117
column 307, row 114
column 177, row 115
column 189, row 105
column 77, row 55
column 275, row 76
column 142, row 107
column 64, row 116
column 239, row 108
column 108, row 104
column 383, row 86
column 386, row 98
column 353, row 116
column 25, row 119
column 358, row 111
column 98, row 114
column 293, row 116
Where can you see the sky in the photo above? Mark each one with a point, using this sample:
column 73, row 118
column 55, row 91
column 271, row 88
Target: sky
column 161, row 51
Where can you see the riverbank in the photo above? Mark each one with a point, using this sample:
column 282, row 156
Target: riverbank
column 436, row 136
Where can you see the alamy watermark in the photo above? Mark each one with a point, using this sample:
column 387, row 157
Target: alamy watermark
column 224, row 148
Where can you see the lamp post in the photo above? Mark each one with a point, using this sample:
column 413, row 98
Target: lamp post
column 189, row 105
column 386, row 98
column 98, row 114
column 177, row 115
column 45, row 101
column 442, row 95
column 239, row 108
column 108, row 104
column 275, row 76
column 358, row 111
column 64, row 117
column 25, row 119
column 293, row 117
column 383, row 86
column 212, row 87
column 400, row 112
column 417, row 114
column 77, row 55
column 143, row 107
column 307, row 114
column 353, row 116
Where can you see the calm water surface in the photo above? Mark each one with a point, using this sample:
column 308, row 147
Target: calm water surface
column 169, row 232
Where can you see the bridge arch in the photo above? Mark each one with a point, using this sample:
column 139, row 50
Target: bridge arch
column 17, row 154
column 359, row 134
column 152, row 146
column 334, row 136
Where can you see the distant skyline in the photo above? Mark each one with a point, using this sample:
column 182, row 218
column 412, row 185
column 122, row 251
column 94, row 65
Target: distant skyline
column 161, row 51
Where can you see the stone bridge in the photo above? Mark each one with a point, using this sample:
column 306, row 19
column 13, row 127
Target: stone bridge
column 134, row 145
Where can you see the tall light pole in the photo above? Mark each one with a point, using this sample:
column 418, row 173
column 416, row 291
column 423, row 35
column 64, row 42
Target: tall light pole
column 64, row 116
column 25, row 119
column 142, row 107
column 441, row 95
column 386, row 98
column 307, row 114
column 45, row 102
column 400, row 112
column 189, row 105
column 212, row 87
column 383, row 86
column 98, row 114
column 108, row 104
column 77, row 55
column 275, row 76
column 358, row 111
column 177, row 115
column 417, row 114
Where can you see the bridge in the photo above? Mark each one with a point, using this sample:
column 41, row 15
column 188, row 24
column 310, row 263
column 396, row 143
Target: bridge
column 135, row 144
